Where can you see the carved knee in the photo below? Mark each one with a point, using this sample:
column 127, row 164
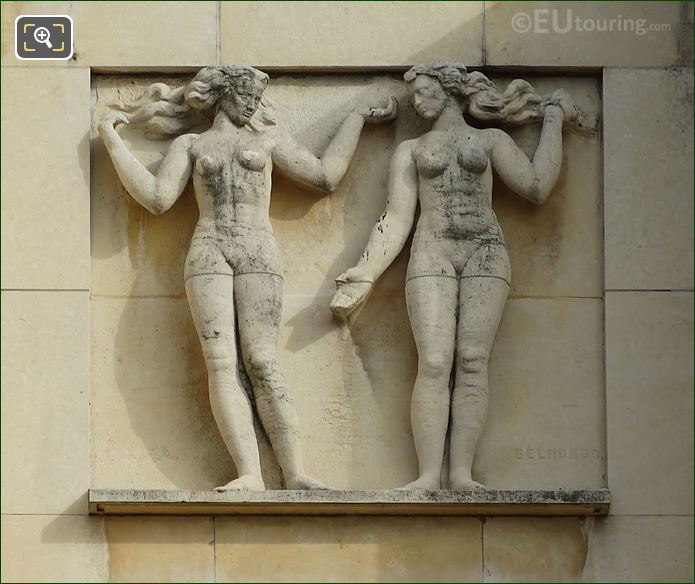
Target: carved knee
column 261, row 363
column 220, row 361
column 473, row 358
column 434, row 366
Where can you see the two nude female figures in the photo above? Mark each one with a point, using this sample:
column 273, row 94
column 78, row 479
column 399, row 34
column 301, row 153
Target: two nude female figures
column 458, row 277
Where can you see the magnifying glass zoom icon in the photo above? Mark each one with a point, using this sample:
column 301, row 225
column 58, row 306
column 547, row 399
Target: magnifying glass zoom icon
column 41, row 35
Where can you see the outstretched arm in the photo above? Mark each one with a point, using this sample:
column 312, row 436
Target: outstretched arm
column 326, row 172
column 156, row 193
column 532, row 179
column 388, row 236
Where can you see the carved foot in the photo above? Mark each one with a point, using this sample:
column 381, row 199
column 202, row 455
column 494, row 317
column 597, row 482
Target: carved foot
column 430, row 483
column 465, row 484
column 304, row 482
column 244, row 483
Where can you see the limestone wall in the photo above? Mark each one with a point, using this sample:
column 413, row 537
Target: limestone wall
column 103, row 379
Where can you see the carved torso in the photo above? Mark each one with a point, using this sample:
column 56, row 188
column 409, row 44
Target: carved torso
column 455, row 186
column 232, row 180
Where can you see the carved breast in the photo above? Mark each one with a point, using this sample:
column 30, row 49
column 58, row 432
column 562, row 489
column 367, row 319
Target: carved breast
column 473, row 159
column 207, row 165
column 253, row 160
column 431, row 163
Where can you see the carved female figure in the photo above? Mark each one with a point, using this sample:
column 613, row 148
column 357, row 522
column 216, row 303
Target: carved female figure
column 233, row 274
column 459, row 274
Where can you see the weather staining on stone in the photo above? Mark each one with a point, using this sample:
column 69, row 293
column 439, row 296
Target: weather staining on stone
column 459, row 275
column 228, row 141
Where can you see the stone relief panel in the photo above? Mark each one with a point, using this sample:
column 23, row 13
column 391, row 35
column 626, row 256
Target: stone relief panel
column 151, row 418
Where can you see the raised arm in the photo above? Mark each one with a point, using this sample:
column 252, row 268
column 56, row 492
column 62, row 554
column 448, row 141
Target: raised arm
column 324, row 173
column 156, row 193
column 388, row 236
column 532, row 179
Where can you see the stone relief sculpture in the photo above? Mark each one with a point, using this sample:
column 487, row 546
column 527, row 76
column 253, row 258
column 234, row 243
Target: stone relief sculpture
column 233, row 273
column 458, row 274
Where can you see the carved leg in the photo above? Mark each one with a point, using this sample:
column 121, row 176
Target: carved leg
column 482, row 302
column 432, row 304
column 211, row 298
column 259, row 308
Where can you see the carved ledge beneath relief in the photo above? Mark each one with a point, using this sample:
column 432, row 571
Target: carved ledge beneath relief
column 568, row 503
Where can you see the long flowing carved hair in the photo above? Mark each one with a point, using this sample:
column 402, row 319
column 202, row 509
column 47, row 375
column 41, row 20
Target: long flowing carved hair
column 519, row 103
column 168, row 112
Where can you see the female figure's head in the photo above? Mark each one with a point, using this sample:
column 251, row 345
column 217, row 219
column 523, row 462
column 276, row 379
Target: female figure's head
column 235, row 90
column 428, row 96
column 434, row 86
